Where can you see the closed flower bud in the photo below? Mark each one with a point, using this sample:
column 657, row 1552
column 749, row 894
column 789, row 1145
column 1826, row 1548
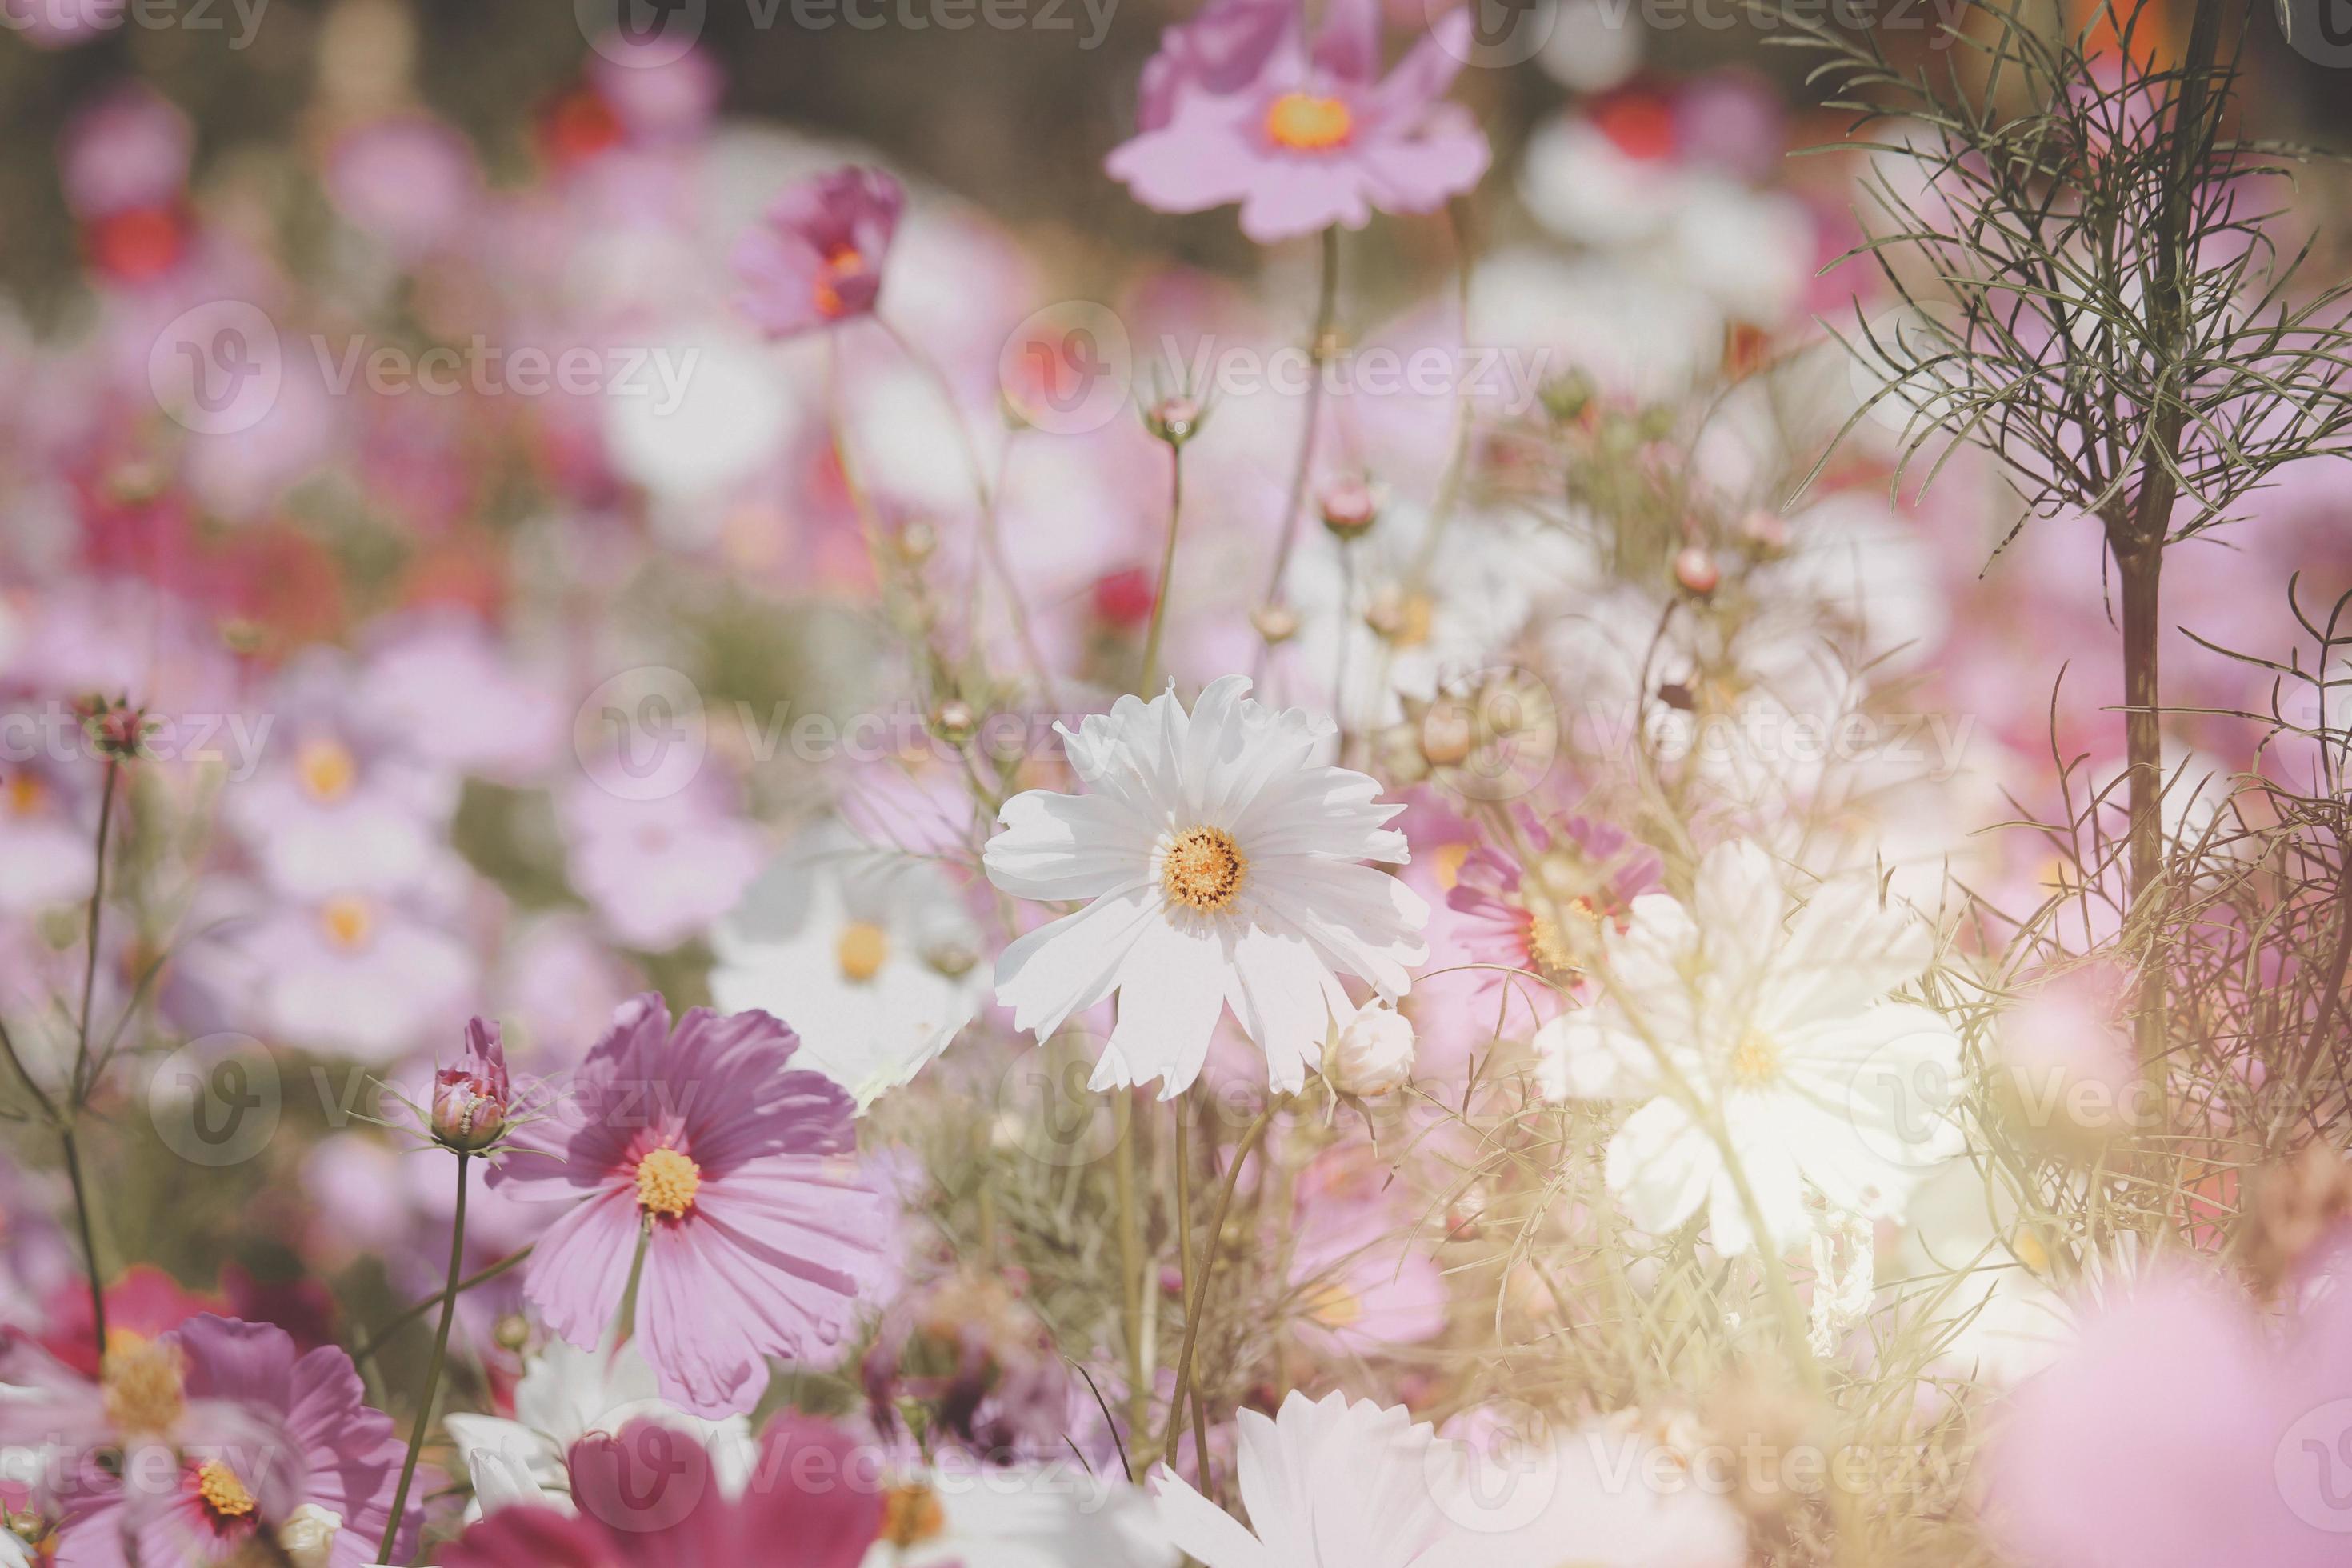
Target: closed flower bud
column 1372, row 1052
column 1696, row 570
column 308, row 1536
column 1767, row 531
column 1350, row 506
column 472, row 1100
column 1175, row 420
column 1275, row 623
column 953, row 721
column 1447, row 734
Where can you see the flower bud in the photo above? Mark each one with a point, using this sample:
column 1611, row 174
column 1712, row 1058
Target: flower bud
column 953, row 721
column 1372, row 1052
column 1350, row 507
column 1767, row 531
column 471, row 1098
column 1447, row 734
column 1696, row 570
column 308, row 1536
column 1275, row 624
column 1175, row 420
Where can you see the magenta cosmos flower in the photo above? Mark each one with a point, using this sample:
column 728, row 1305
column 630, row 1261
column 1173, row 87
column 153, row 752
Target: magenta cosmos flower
column 214, row 1444
column 648, row 1497
column 1237, row 107
column 816, row 258
column 761, row 1231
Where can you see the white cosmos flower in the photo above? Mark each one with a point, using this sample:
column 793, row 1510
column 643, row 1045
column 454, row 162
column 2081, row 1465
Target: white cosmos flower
column 566, row 1394
column 1327, row 1485
column 867, row 952
column 1023, row 1516
column 1778, row 1025
column 1220, row 864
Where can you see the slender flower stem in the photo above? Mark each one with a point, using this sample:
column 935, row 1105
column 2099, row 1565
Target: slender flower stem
column 433, row 1368
column 72, row 1149
column 1199, row 1301
column 1326, row 306
column 636, row 1276
column 1145, row 687
column 90, row 964
column 1130, row 1269
column 992, row 538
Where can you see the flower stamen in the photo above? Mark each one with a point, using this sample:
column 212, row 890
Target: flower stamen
column 1203, row 869
column 861, row 950
column 1306, row 123
column 666, row 1184
column 222, row 1493
column 1755, row 1060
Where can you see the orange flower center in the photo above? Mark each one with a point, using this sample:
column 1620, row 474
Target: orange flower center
column 348, row 920
column 861, row 950
column 1203, row 869
column 1306, row 123
column 24, row 794
column 667, row 1182
column 912, row 1515
column 328, row 770
column 219, row 1489
column 842, row 261
column 144, row 1388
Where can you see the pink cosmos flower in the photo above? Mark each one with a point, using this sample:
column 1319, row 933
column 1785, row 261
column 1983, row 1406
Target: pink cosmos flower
column 230, row 1444
column 659, row 871
column 761, row 1233
column 1237, row 107
column 648, row 1497
column 817, row 256
column 2181, row 1433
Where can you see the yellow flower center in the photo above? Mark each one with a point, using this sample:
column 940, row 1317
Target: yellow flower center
column 1306, row 123
column 348, row 920
column 24, row 794
column 842, row 261
column 220, row 1490
column 912, row 1515
column 142, row 1388
column 861, row 950
column 1755, row 1060
column 2029, row 1251
column 1335, row 1306
column 1203, row 869
column 667, row 1182
column 327, row 769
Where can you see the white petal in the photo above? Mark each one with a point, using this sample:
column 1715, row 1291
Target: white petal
column 1172, row 988
column 1202, row 1529
column 1072, row 962
column 1067, row 846
column 1661, row 1163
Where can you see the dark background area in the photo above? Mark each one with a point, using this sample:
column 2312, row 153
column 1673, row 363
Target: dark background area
column 1018, row 121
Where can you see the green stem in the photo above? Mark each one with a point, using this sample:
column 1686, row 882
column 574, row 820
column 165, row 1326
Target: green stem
column 88, row 1239
column 1130, row 1268
column 433, row 1368
column 1167, row 574
column 1209, row 1249
column 628, row 1327
column 90, row 964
